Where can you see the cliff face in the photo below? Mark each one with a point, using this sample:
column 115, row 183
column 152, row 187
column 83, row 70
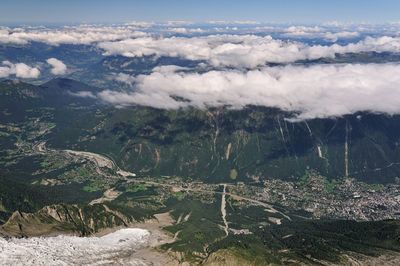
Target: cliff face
column 64, row 218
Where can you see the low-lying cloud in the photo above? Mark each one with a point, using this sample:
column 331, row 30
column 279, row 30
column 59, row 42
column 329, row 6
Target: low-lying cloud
column 317, row 91
column 245, row 51
column 318, row 32
column 84, row 34
column 57, row 66
column 19, row 70
column 239, row 47
column 233, row 67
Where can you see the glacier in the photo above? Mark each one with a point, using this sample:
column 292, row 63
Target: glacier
column 117, row 248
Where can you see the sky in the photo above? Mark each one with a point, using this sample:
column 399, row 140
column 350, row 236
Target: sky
column 116, row 11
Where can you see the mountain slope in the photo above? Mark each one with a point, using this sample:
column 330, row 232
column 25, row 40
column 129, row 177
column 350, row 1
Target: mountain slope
column 223, row 144
column 215, row 144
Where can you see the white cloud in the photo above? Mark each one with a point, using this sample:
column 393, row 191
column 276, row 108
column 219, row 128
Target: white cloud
column 177, row 23
column 19, row 70
column 246, row 51
column 340, row 35
column 83, row 94
column 141, row 24
column 58, row 67
column 184, row 30
column 4, row 71
column 314, row 91
column 130, row 80
column 303, row 30
column 84, row 34
column 235, row 22
column 219, row 50
column 318, row 32
column 124, row 78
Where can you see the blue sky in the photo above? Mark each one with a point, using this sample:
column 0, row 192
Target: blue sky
column 292, row 11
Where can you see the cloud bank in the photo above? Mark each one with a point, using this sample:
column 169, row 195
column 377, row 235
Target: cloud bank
column 317, row 91
column 245, row 51
column 234, row 67
column 246, row 47
column 318, row 32
column 19, row 70
column 84, row 34
column 58, row 67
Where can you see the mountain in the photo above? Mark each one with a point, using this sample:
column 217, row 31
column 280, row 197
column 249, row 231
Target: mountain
column 223, row 144
column 18, row 98
column 248, row 185
column 215, row 144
